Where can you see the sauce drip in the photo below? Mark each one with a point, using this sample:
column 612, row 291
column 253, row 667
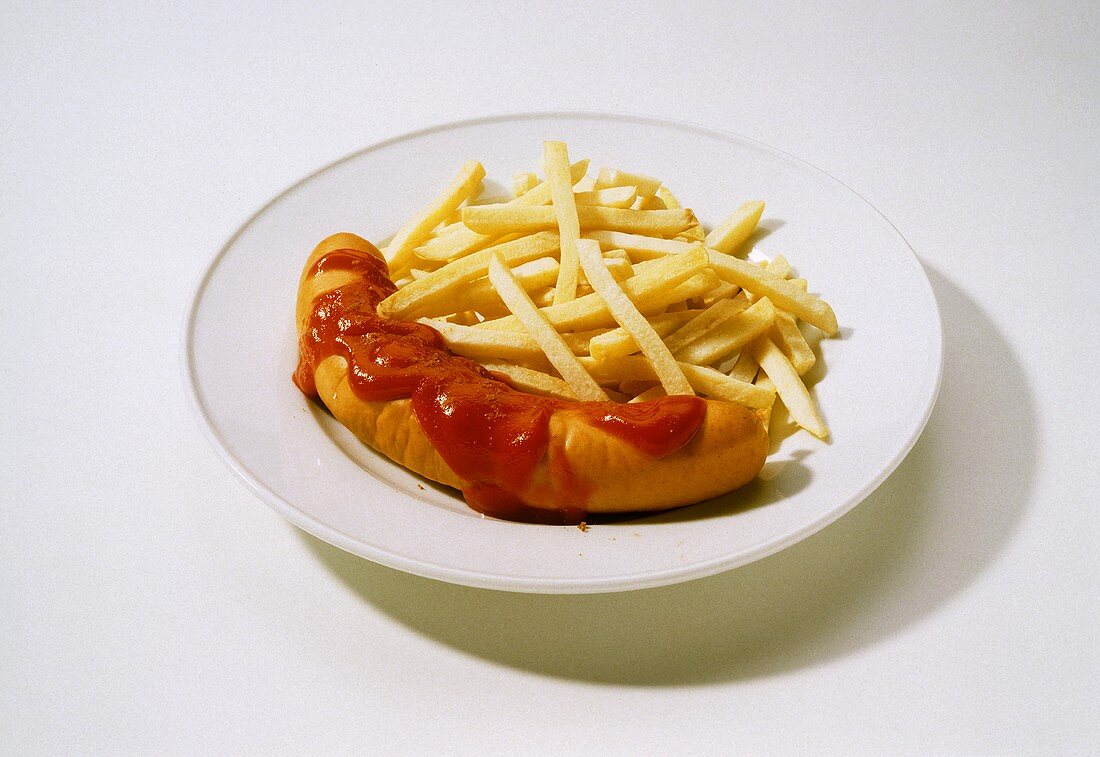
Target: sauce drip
column 491, row 435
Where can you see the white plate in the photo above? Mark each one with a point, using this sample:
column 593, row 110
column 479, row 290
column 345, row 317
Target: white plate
column 881, row 379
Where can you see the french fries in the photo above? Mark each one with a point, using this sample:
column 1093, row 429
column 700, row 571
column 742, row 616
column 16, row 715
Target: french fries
column 608, row 345
column 498, row 219
column 632, row 321
column 613, row 197
column 782, row 292
column 551, row 342
column 729, row 335
column 646, row 186
column 399, row 251
column 536, row 382
column 458, row 240
column 652, row 289
column 523, row 183
column 607, row 288
column 440, row 283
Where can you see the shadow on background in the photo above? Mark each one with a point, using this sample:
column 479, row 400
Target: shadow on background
column 919, row 540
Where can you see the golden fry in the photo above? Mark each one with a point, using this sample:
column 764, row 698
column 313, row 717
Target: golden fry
column 613, row 197
column 796, row 397
column 529, row 380
column 555, row 161
column 647, row 186
column 399, row 252
column 732, row 233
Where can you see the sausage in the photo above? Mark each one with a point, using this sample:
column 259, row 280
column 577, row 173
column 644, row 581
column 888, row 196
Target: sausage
column 514, row 455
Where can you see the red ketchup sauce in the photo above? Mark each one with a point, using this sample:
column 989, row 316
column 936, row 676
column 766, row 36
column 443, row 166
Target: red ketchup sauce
column 491, row 435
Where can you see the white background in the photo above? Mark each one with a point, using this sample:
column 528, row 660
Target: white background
column 148, row 602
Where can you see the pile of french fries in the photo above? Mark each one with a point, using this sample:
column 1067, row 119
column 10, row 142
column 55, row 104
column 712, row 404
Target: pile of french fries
column 607, row 288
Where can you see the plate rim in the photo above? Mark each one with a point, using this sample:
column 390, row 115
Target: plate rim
column 635, row 580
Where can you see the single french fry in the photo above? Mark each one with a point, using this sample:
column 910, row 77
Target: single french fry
column 553, row 346
column 528, row 380
column 796, row 397
column 637, row 246
column 613, row 197
column 732, row 233
column 542, row 297
column 788, row 338
column 628, row 317
column 616, row 253
column 765, row 383
column 399, row 252
column 462, row 241
column 452, row 226
column 455, row 216
column 647, row 186
column 692, row 234
column 619, row 268
column 524, row 182
column 730, row 335
column 670, row 200
column 650, row 202
column 619, row 343
column 555, row 161
column 653, row 393
column 454, row 242
column 584, row 184
column 780, row 266
column 720, row 386
column 479, row 344
column 441, row 284
column 785, row 294
column 501, row 219
column 664, row 299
